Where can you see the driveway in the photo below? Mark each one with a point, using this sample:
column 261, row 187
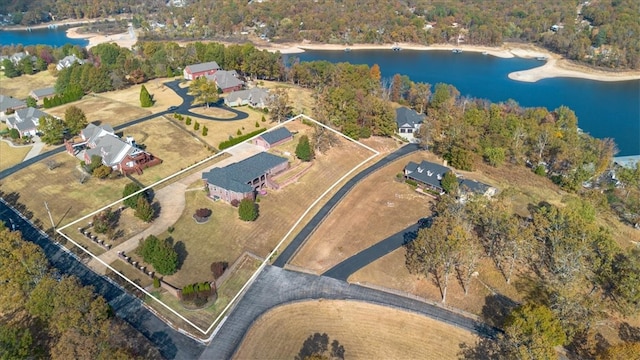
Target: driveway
column 275, row 286
column 187, row 100
column 171, row 343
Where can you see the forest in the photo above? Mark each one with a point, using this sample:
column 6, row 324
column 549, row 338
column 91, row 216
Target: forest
column 599, row 33
column 45, row 315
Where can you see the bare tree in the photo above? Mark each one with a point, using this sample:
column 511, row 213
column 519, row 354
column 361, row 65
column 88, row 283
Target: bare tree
column 278, row 105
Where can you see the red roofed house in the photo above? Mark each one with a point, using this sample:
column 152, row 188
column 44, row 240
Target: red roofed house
column 197, row 70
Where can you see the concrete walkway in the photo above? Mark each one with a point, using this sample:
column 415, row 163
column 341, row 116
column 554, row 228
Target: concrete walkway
column 275, row 286
column 37, row 147
column 172, row 203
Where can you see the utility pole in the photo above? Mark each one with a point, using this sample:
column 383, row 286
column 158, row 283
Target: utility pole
column 50, row 217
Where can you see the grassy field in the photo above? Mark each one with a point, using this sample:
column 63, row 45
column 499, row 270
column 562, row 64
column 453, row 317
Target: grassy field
column 355, row 225
column 366, row 331
column 19, row 87
column 301, row 99
column 10, row 156
column 163, row 97
column 103, row 110
column 203, row 318
column 225, row 236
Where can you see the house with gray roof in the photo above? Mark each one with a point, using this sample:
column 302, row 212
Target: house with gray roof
column 40, row 94
column 272, row 138
column 426, row 173
column 476, row 187
column 67, row 61
column 26, row 121
column 255, row 97
column 408, row 122
column 9, row 104
column 197, row 70
column 241, row 180
column 118, row 154
column 227, row 81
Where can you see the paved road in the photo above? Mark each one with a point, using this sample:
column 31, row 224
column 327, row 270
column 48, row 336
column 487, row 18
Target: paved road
column 276, row 286
column 170, row 343
column 343, row 270
column 183, row 108
column 291, row 249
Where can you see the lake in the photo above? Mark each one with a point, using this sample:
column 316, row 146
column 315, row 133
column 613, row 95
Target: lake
column 52, row 37
column 604, row 109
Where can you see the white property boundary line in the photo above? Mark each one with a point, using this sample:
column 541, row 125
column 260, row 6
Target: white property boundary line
column 267, row 259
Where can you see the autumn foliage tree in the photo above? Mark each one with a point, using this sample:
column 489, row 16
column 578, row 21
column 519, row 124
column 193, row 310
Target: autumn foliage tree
column 75, row 119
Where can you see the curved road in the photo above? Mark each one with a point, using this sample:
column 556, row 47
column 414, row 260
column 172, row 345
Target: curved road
column 170, row 343
column 183, row 108
column 295, row 244
column 275, row 286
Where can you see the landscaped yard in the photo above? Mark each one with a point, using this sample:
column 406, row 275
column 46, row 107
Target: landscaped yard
column 19, row 87
column 365, row 330
column 10, row 156
column 375, row 209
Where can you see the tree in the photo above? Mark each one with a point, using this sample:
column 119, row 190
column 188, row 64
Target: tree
column 621, row 351
column 324, row 139
column 160, row 254
column 304, row 151
column 26, row 65
column 31, row 102
column 204, row 91
column 102, row 171
column 450, row 182
column 10, row 70
column 129, row 189
column 15, row 343
column 495, row 156
column 531, row 332
column 14, row 133
column 144, row 210
column 104, row 221
column 278, row 105
column 75, row 119
column 145, row 97
column 248, row 210
column 52, row 130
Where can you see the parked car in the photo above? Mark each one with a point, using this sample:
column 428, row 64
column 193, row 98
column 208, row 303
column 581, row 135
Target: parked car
column 172, row 108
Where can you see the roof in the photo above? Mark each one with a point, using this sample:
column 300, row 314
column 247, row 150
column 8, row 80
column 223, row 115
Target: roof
column 196, row 68
column 236, row 177
column 426, row 172
column 276, row 135
column 254, row 95
column 44, row 92
column 26, row 119
column 93, row 132
column 408, row 117
column 226, row 79
column 111, row 149
column 8, row 102
column 475, row 186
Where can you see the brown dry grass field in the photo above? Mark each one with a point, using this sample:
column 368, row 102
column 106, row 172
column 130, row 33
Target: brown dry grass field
column 220, row 131
column 365, row 330
column 10, row 156
column 225, row 236
column 19, row 87
column 375, row 209
column 104, row 110
column 300, row 99
column 163, row 97
column 203, row 318
column 67, row 197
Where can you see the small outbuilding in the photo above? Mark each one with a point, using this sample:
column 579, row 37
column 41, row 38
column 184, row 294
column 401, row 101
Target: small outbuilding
column 273, row 138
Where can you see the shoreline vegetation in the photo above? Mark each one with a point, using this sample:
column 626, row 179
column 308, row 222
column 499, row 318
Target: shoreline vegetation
column 554, row 66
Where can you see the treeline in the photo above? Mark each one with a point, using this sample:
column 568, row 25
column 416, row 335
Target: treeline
column 44, row 315
column 40, row 58
column 600, row 33
column 569, row 266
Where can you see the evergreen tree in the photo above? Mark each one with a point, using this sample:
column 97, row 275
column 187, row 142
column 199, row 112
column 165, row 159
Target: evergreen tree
column 449, row 182
column 248, row 210
column 129, row 189
column 31, row 102
column 304, row 151
column 10, row 70
column 145, row 97
column 144, row 210
column 26, row 66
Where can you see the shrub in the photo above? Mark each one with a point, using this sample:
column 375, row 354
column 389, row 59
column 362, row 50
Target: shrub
column 156, row 282
column 203, row 212
column 205, row 131
column 102, row 171
column 196, row 126
column 411, row 182
column 257, row 124
column 233, row 141
column 188, row 121
column 239, row 132
column 160, row 254
column 14, row 134
column 105, row 220
column 170, row 229
column 235, row 203
column 263, row 119
column 248, row 210
column 218, row 268
column 540, row 170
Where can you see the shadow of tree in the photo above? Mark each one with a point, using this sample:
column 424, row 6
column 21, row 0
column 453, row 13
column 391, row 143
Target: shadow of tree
column 316, row 345
column 629, row 333
column 181, row 249
column 496, row 309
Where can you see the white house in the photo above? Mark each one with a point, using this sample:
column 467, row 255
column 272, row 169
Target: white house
column 67, row 61
column 256, row 97
column 26, row 121
column 408, row 122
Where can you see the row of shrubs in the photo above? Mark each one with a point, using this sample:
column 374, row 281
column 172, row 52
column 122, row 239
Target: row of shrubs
column 237, row 140
column 72, row 94
column 198, row 293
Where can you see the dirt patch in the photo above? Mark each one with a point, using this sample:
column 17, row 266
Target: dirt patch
column 375, row 209
column 20, row 87
column 366, row 331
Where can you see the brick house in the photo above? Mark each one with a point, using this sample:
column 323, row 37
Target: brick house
column 267, row 140
column 120, row 155
column 197, row 70
column 26, row 121
column 241, row 180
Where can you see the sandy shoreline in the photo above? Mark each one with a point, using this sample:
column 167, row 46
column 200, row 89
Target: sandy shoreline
column 122, row 39
column 555, row 65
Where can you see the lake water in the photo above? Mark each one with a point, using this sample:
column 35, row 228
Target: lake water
column 52, row 37
column 604, row 109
